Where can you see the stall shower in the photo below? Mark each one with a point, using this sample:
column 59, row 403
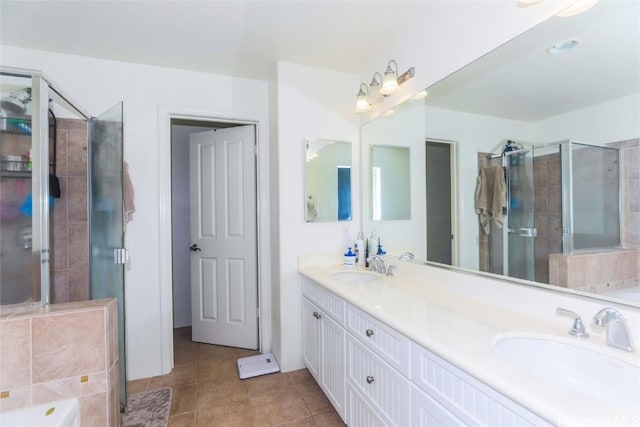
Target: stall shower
column 563, row 208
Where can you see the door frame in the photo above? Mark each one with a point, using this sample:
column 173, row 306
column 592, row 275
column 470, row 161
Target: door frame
column 260, row 121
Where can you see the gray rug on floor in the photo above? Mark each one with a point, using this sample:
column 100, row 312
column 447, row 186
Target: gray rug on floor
column 148, row 409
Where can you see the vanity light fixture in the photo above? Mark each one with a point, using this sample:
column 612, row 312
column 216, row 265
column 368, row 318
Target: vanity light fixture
column 391, row 82
column 375, row 97
column 362, row 104
column 577, row 7
column 563, row 46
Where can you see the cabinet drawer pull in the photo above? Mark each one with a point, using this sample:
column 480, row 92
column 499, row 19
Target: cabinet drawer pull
column 370, row 379
column 369, row 332
column 316, row 315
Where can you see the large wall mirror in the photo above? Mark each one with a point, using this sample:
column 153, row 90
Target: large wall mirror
column 327, row 186
column 553, row 117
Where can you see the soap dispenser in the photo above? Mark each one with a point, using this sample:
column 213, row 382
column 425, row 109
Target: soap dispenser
column 349, row 258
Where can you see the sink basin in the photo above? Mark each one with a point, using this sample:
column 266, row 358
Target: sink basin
column 355, row 276
column 583, row 369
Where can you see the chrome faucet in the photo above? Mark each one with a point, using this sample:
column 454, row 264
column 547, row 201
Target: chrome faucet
column 578, row 329
column 390, row 270
column 616, row 328
column 376, row 264
column 407, row 256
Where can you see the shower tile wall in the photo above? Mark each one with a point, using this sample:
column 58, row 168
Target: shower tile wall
column 630, row 195
column 548, row 211
column 69, row 226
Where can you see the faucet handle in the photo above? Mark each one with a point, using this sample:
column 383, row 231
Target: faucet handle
column 578, row 329
column 390, row 270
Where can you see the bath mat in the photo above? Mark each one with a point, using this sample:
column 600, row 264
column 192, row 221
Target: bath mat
column 148, row 409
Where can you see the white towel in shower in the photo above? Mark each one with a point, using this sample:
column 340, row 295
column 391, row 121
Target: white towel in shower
column 491, row 196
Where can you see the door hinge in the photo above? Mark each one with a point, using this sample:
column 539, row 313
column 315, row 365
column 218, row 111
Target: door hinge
column 120, row 256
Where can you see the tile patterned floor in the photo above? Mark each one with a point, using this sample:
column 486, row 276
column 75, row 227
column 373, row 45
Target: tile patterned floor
column 208, row 392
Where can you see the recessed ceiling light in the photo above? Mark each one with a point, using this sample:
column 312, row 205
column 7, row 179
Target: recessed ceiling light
column 577, row 7
column 420, row 95
column 563, row 46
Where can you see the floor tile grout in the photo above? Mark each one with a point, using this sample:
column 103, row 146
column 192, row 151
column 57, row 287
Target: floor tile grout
column 241, row 402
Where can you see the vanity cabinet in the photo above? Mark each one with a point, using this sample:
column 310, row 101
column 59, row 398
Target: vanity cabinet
column 455, row 392
column 323, row 342
column 375, row 376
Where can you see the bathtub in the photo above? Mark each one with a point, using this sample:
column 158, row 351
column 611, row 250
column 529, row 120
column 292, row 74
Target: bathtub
column 64, row 413
column 628, row 294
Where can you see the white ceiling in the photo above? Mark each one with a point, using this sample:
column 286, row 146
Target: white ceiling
column 239, row 38
column 246, row 38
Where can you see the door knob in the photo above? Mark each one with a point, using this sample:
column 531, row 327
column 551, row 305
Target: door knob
column 194, row 248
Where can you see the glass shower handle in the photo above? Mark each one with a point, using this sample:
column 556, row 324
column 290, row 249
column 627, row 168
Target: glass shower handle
column 524, row 232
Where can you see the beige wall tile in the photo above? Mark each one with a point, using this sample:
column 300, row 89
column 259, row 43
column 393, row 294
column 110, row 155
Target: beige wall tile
column 79, row 284
column 71, row 387
column 60, row 288
column 112, row 332
column 62, row 346
column 77, row 196
column 15, row 353
column 576, row 271
column 58, row 246
column 77, row 153
column 114, row 395
column 19, row 397
column 93, row 410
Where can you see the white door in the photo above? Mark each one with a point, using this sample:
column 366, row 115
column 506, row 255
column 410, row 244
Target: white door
column 224, row 280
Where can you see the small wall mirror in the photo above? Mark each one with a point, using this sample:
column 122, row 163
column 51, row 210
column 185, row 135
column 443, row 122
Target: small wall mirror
column 327, row 189
column 390, row 183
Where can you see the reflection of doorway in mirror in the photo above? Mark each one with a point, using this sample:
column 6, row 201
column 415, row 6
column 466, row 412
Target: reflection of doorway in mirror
column 439, row 201
column 344, row 193
column 376, row 193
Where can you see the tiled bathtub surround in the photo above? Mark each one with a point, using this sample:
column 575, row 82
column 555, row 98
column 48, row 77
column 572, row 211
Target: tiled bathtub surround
column 596, row 272
column 65, row 351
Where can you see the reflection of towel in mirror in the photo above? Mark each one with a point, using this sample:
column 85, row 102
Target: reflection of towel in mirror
column 491, row 196
column 127, row 194
column 312, row 210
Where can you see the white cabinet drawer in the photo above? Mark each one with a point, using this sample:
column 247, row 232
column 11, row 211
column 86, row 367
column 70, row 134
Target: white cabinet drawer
column 325, row 300
column 387, row 390
column 472, row 401
column 393, row 347
column 426, row 412
column 359, row 412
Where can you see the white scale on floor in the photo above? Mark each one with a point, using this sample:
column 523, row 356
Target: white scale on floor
column 254, row 366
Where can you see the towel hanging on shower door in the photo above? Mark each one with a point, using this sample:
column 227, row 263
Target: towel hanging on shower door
column 491, row 196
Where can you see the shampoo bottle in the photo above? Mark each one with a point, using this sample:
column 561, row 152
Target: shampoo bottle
column 360, row 250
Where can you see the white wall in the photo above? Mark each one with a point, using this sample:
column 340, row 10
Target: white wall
column 97, row 85
column 615, row 120
column 404, row 128
column 313, row 103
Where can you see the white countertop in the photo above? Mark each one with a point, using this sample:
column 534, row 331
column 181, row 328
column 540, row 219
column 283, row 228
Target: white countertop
column 442, row 316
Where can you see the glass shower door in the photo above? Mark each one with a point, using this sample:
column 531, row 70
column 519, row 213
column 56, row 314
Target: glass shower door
column 520, row 222
column 106, row 219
